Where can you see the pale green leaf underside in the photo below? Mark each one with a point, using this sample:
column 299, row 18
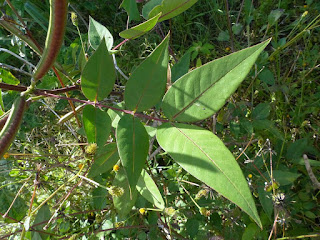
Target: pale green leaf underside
column 97, row 32
column 202, row 92
column 133, row 145
column 171, row 8
column 204, row 156
column 98, row 76
column 147, row 83
column 140, row 29
column 97, row 125
column 149, row 190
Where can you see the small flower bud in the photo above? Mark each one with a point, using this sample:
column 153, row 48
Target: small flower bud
column 91, row 148
column 74, row 19
column 169, row 211
column 142, row 211
column 116, row 191
column 116, row 168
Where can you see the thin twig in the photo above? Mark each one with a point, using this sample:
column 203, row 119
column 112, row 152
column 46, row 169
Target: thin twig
column 17, row 56
column 3, row 65
column 313, row 178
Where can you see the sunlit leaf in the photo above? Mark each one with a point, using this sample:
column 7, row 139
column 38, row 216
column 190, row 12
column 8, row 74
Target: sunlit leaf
column 140, row 29
column 171, row 8
column 204, row 156
column 147, row 83
column 202, row 92
column 98, row 32
column 97, row 125
column 98, row 76
column 149, row 190
column 133, row 145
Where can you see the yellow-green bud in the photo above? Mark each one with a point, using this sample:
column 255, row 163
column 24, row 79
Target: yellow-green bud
column 116, row 191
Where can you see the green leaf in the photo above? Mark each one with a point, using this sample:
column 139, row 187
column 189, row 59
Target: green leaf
column 8, row 77
column 265, row 199
column 204, row 156
column 262, row 111
column 267, row 77
column 99, row 195
column 181, row 67
column 140, row 29
column 149, row 6
column 105, row 158
column 97, row 125
column 98, row 76
column 274, row 16
column 237, row 28
column 98, row 32
column 192, row 227
column 267, row 126
column 223, row 36
column 19, row 208
column 147, row 83
column 126, row 201
column 133, row 144
column 202, row 92
column 171, row 8
column 284, row 177
column 132, row 9
column 149, row 190
column 43, row 215
column 116, row 115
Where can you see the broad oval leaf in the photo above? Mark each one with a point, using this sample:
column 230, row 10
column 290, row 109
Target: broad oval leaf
column 98, row 32
column 124, row 203
column 203, row 155
column 105, row 158
column 133, row 144
column 140, row 29
column 147, row 83
column 43, row 216
column 97, row 125
column 202, row 92
column 149, row 190
column 171, row 8
column 98, row 76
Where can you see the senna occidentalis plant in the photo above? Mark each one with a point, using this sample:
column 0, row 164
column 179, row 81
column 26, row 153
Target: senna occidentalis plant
column 12, row 124
column 55, row 35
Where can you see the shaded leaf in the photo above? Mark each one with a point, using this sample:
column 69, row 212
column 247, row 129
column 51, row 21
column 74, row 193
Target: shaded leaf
column 133, row 145
column 284, row 177
column 204, row 156
column 98, row 76
column 267, row 126
column 97, row 125
column 105, row 158
column 262, row 111
column 265, row 199
column 124, row 203
column 171, row 8
column 132, row 9
column 147, row 83
column 19, row 208
column 202, row 92
column 116, row 115
column 99, row 195
column 43, row 215
column 140, row 29
column 149, row 190
column 98, row 32
column 181, row 67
